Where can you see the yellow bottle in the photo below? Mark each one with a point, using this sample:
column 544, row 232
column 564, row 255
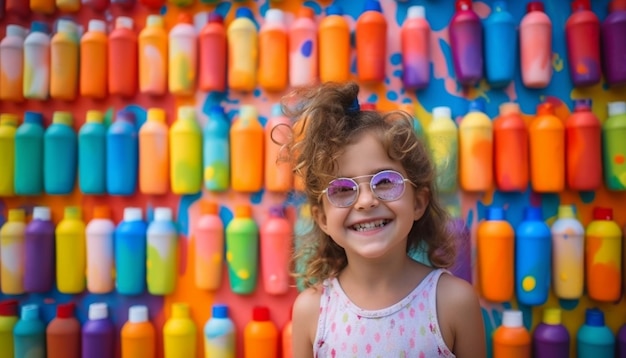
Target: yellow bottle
column 64, row 61
column 12, row 253
column 186, row 153
column 153, row 57
column 71, row 261
column 243, row 43
column 179, row 333
column 8, row 126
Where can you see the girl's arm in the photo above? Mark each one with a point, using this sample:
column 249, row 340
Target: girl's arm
column 305, row 316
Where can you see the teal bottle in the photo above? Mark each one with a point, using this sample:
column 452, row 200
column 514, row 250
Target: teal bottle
column 60, row 152
column 594, row 338
column 216, row 150
column 92, row 154
column 29, row 334
column 28, row 173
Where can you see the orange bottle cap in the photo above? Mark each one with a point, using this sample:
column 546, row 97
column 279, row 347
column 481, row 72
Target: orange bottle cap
column 101, row 212
column 306, row 11
column 243, row 211
column 208, row 207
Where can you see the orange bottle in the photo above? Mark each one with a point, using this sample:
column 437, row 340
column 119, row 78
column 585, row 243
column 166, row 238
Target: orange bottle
column 64, row 56
column 273, row 52
column 93, row 61
column 512, row 339
column 46, row 7
column 122, row 58
column 371, row 43
column 278, row 173
column 246, row 150
column 583, row 148
column 154, row 171
column 287, row 339
column 476, row 149
column 138, row 337
column 603, row 257
column 510, row 143
column 153, row 57
column 335, row 49
column 547, row 151
column 212, row 52
column 260, row 336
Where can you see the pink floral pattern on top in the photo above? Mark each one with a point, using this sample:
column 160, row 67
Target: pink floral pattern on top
column 406, row 329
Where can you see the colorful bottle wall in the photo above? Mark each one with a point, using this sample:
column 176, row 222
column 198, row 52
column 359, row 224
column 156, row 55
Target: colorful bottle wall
column 137, row 167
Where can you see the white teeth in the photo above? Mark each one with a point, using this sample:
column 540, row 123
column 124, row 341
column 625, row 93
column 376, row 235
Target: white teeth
column 370, row 225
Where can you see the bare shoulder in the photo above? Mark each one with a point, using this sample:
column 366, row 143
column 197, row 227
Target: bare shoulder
column 460, row 317
column 305, row 316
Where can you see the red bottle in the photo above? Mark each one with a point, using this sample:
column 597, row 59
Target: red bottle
column 212, row 52
column 97, row 5
column 582, row 33
column 583, row 156
column 155, row 4
column 20, row 8
column 63, row 334
column 510, row 143
column 123, row 58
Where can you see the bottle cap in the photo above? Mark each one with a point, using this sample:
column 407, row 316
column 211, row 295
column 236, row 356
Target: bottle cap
column 72, row 212
column 277, row 211
column 594, row 317
column 67, row 26
column 41, row 213
column 125, row 115
column 219, row 311
column 30, row 312
column 16, row 30
column 477, row 106
column 39, row 26
column 368, row 106
column 124, row 22
column 180, row 310
column 512, row 318
column 581, row 5
column 163, row 214
column 495, row 213
column 132, row 214
column 208, row 207
column 602, row 213
column 8, row 308
column 8, row 119
column 416, row 12
column 244, row 12
column 247, row 111
column 534, row 6
column 60, row 117
column 277, row 110
column 215, row 18
column 545, row 108
column 616, row 108
column 97, row 26
column 98, row 311
column 441, row 112
column 334, row 10
column 156, row 115
column 137, row 314
column 582, row 104
column 552, row 316
column 187, row 112
column 372, row 5
column 463, row 5
column 185, row 18
column 154, row 21
column 508, row 108
column 566, row 211
column 274, row 16
column 306, row 12
column 260, row 313
column 499, row 6
column 16, row 215
column 533, row 213
column 243, row 211
column 94, row 116
column 101, row 212
column 65, row 310
column 33, row 117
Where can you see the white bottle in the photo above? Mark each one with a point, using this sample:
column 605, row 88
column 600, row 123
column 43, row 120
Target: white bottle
column 37, row 62
column 100, row 263
column 12, row 63
column 182, row 59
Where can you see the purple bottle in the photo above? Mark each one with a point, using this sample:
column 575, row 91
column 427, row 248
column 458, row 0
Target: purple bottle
column 463, row 262
column 98, row 333
column 621, row 342
column 551, row 339
column 39, row 252
column 614, row 43
column 466, row 42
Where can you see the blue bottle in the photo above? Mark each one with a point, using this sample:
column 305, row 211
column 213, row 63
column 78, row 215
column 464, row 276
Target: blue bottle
column 533, row 258
column 60, row 155
column 29, row 334
column 130, row 249
column 500, row 45
column 92, row 155
column 122, row 155
column 594, row 338
column 216, row 153
column 28, row 175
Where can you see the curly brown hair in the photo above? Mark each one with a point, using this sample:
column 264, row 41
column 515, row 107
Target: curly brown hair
column 325, row 122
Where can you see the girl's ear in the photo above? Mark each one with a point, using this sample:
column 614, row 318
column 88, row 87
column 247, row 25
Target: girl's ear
column 420, row 203
column 318, row 214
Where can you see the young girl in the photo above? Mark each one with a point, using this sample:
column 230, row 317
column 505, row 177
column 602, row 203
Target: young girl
column 369, row 182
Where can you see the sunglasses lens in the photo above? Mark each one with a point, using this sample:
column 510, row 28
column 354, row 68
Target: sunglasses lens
column 388, row 185
column 342, row 192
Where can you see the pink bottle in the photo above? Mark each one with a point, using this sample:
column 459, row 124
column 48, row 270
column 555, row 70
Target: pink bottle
column 415, row 42
column 123, row 58
column 12, row 64
column 583, row 156
column 466, row 42
column 212, row 51
column 209, row 247
column 582, row 34
column 276, row 238
column 303, row 48
column 371, row 43
column 536, row 47
column 614, row 43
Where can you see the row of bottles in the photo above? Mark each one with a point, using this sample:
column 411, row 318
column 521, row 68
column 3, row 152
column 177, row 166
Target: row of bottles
column 548, row 153
column 64, row 337
column 133, row 255
column 527, row 260
column 153, row 158
column 23, row 8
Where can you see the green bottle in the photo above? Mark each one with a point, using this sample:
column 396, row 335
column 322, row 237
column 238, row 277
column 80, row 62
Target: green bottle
column 242, row 255
column 614, row 147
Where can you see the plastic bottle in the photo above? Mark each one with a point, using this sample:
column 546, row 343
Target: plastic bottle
column 209, row 247
column 8, row 319
column 64, row 57
column 12, row 253
column 63, row 333
column 219, row 334
column 415, row 48
column 152, row 56
column 71, row 252
column 462, row 267
column 60, row 147
column 303, row 48
column 46, row 7
column 620, row 338
column 130, row 248
column 37, row 62
column 125, row 4
column 535, row 35
column 496, row 253
column 179, row 333
column 466, row 42
column 93, row 60
column 551, row 338
column 614, row 147
column 138, row 336
column 511, row 339
column 154, row 169
column 29, row 334
column 18, row 7
column 278, row 171
column 335, row 49
column 476, row 149
column 568, row 254
column 99, row 236
column 260, row 336
column 443, row 142
column 273, row 69
column 500, row 46
column 39, row 252
column 287, row 339
column 123, row 57
column 613, row 43
column 182, row 58
column 122, row 155
column 603, row 257
column 582, row 34
column 276, row 240
column 212, row 49
column 216, row 150
column 186, row 153
column 68, row 5
column 533, row 258
column 242, row 251
column 96, row 5
column 12, row 63
column 162, row 253
column 243, row 42
column 28, row 175
column 92, row 154
column 8, row 128
column 583, row 148
column 510, row 149
column 154, row 4
column 547, row 151
column 371, row 43
column 246, row 150
column 98, row 333
column 594, row 338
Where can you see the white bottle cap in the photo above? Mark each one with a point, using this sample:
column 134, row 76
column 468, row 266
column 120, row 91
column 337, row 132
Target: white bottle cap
column 247, row 111
column 442, row 112
column 98, row 311
column 66, row 26
column 16, row 30
column 41, row 213
column 132, row 214
column 416, row 12
column 187, row 112
column 274, row 16
column 512, row 318
column 154, row 20
column 97, row 26
column 163, row 214
column 137, row 314
column 617, row 108
column 124, row 22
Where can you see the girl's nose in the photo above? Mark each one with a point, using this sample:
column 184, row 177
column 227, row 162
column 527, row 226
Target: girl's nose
column 365, row 197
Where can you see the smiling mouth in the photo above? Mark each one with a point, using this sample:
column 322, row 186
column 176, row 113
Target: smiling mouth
column 370, row 225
